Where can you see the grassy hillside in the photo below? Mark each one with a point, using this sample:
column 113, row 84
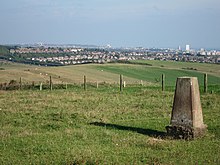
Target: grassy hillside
column 109, row 72
column 69, row 74
column 100, row 127
column 213, row 69
column 3, row 51
column 153, row 74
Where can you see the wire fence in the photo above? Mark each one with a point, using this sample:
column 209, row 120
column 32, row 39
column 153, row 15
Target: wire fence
column 122, row 84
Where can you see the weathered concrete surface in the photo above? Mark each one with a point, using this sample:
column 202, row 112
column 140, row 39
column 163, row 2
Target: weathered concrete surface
column 187, row 119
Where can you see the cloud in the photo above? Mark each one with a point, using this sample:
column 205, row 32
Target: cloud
column 102, row 9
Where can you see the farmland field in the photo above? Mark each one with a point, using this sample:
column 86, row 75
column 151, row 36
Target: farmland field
column 102, row 126
column 201, row 67
column 110, row 72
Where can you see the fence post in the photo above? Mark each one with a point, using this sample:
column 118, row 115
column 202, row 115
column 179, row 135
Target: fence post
column 97, row 84
column 66, row 85
column 142, row 83
column 124, row 84
column 33, row 84
column 205, row 82
column 84, row 84
column 41, row 85
column 51, row 86
column 163, row 82
column 5, row 85
column 20, row 84
column 121, row 81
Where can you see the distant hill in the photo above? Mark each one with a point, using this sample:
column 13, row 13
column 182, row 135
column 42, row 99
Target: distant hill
column 109, row 73
column 5, row 53
column 3, row 50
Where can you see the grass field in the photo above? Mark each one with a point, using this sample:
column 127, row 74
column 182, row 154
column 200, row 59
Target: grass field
column 103, row 126
column 67, row 74
column 153, row 74
column 110, row 72
column 213, row 69
column 100, row 126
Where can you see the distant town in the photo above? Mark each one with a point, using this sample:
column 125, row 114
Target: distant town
column 59, row 55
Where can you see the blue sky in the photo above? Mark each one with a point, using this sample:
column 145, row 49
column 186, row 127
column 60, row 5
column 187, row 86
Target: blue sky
column 147, row 23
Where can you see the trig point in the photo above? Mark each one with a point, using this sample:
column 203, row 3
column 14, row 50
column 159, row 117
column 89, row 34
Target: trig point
column 187, row 119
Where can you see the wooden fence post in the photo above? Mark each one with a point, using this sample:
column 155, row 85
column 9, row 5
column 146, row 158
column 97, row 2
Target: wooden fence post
column 33, row 84
column 205, row 82
column 84, row 84
column 51, row 86
column 41, row 86
column 20, row 84
column 97, row 84
column 124, row 84
column 5, row 85
column 163, row 82
column 121, row 83
column 66, row 86
column 142, row 83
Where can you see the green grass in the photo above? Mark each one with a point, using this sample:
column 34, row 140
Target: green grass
column 67, row 74
column 213, row 69
column 103, row 126
column 153, row 74
column 100, row 126
column 3, row 50
column 110, row 72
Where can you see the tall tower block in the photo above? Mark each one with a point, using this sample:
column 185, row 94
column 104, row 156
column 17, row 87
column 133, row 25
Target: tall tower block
column 187, row 48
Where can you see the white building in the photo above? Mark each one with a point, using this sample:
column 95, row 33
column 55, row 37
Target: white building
column 187, row 48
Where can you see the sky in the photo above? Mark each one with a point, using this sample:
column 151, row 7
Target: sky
column 120, row 23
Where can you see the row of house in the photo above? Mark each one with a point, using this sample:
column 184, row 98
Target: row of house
column 25, row 50
column 77, row 59
column 79, row 56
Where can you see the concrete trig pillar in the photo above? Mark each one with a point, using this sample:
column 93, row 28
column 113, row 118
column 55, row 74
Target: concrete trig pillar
column 187, row 119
